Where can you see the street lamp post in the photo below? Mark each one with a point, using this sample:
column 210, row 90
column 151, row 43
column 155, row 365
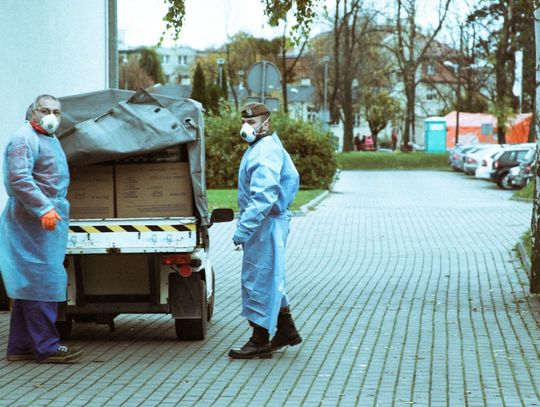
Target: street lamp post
column 458, row 103
column 241, row 79
column 294, row 93
column 220, row 62
column 325, row 102
column 457, row 68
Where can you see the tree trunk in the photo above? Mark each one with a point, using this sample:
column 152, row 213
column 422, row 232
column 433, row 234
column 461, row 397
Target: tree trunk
column 348, row 117
column 535, row 223
column 408, row 131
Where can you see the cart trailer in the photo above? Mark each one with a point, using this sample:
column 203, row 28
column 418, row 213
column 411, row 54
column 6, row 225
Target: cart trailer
column 156, row 259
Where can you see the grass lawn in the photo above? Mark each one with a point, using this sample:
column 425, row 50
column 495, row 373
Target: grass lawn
column 226, row 198
column 372, row 160
column 526, row 192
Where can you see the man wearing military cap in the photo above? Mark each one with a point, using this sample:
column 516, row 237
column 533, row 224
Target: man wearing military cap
column 267, row 184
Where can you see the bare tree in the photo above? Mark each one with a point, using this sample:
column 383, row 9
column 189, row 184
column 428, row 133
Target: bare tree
column 288, row 71
column 352, row 27
column 410, row 49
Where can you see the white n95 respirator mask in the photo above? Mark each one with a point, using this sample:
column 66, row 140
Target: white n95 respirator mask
column 49, row 123
column 248, row 133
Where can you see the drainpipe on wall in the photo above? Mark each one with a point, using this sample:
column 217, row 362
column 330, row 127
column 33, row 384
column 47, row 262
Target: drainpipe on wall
column 113, row 42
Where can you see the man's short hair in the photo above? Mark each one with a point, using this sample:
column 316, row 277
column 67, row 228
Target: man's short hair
column 254, row 109
column 44, row 96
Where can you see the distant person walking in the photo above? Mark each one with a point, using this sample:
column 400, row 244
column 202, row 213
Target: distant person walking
column 33, row 235
column 394, row 139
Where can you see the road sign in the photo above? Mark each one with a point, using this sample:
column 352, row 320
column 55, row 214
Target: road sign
column 263, row 78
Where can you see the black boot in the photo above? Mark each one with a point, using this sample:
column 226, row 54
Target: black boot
column 258, row 345
column 286, row 331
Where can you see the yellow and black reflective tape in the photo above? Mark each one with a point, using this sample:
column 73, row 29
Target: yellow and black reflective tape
column 132, row 228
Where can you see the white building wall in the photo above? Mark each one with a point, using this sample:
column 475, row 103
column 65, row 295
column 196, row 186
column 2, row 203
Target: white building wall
column 58, row 47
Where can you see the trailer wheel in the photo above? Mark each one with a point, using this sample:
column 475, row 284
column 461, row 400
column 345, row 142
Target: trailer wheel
column 64, row 328
column 212, row 298
column 194, row 329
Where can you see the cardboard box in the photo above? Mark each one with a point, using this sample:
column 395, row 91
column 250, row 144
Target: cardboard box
column 153, row 190
column 91, row 192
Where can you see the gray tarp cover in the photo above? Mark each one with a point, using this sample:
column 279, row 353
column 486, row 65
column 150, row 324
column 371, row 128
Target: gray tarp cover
column 112, row 124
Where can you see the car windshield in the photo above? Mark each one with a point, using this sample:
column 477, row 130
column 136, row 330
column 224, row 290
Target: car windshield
column 498, row 154
column 468, row 149
column 530, row 155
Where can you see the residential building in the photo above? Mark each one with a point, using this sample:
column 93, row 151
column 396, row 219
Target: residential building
column 177, row 64
column 47, row 49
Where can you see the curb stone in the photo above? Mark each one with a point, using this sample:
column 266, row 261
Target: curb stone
column 304, row 209
column 519, row 199
column 525, row 260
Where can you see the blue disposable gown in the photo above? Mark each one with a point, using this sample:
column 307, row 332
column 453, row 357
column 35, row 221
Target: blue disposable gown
column 36, row 178
column 267, row 184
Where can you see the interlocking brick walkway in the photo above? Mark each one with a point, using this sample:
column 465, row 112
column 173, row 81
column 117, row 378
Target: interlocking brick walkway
column 405, row 287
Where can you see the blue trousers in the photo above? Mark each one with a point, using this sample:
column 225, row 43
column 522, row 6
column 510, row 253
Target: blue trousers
column 32, row 328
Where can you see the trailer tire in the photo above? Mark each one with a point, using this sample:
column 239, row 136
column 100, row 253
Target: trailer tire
column 212, row 298
column 194, row 329
column 64, row 328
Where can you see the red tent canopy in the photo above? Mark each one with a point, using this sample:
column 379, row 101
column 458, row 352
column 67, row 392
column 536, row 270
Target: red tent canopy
column 470, row 128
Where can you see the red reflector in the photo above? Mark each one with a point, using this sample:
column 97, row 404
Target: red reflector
column 184, row 270
column 176, row 259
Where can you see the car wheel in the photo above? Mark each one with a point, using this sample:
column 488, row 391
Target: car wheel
column 504, row 181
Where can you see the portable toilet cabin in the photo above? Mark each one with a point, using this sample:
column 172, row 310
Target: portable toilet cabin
column 435, row 135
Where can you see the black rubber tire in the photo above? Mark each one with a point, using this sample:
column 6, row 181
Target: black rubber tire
column 503, row 182
column 212, row 300
column 194, row 329
column 64, row 328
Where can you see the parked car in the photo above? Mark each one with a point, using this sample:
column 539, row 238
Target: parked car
column 524, row 172
column 473, row 159
column 484, row 169
column 506, row 159
column 457, row 156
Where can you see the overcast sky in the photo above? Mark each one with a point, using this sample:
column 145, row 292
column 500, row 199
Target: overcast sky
column 208, row 23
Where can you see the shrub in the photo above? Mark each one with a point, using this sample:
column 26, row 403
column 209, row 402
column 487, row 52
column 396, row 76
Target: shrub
column 310, row 148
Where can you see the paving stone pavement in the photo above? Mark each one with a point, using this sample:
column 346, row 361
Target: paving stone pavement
column 404, row 285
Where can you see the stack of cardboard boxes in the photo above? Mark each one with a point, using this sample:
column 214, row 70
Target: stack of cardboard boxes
column 131, row 191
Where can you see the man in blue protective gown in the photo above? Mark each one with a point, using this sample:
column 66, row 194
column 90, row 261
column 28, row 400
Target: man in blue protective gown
column 33, row 235
column 267, row 184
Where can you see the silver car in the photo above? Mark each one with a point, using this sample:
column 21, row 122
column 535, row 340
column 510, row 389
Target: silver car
column 473, row 159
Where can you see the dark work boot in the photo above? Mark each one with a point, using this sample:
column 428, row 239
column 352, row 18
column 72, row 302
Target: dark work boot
column 258, row 345
column 286, row 331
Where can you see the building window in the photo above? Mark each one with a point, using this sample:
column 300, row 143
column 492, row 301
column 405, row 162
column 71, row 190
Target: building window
column 356, row 120
column 164, row 59
column 430, row 69
column 182, row 60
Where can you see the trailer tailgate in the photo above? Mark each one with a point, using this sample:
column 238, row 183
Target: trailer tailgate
column 148, row 235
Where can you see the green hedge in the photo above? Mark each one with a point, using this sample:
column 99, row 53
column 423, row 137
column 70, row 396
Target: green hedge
column 310, row 147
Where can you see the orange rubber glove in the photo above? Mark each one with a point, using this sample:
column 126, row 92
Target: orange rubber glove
column 48, row 221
